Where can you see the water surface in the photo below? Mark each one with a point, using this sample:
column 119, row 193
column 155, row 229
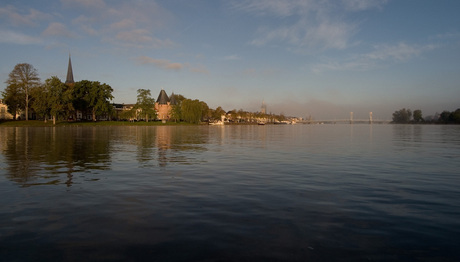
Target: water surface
column 230, row 193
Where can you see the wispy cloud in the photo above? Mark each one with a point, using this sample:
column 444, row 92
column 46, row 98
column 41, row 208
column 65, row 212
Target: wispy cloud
column 135, row 24
column 161, row 63
column 17, row 17
column 168, row 65
column 312, row 24
column 381, row 54
column 11, row 37
column 359, row 5
column 57, row 29
column 87, row 4
column 399, row 52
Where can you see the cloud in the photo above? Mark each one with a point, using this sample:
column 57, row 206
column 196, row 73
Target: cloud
column 161, row 63
column 168, row 65
column 399, row 52
column 88, row 4
column 381, row 54
column 133, row 24
column 123, row 24
column 359, row 5
column 308, row 25
column 57, row 29
column 11, row 37
column 13, row 16
column 141, row 38
column 280, row 8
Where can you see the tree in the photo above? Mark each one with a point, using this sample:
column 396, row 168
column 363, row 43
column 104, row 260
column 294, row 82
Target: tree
column 217, row 114
column 12, row 97
column 205, row 112
column 456, row 116
column 176, row 111
column 60, row 97
column 402, row 116
column 24, row 77
column 52, row 99
column 192, row 110
column 145, row 103
column 41, row 103
column 418, row 116
column 445, row 117
column 94, row 96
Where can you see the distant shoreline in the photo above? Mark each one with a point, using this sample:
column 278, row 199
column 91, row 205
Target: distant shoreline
column 41, row 123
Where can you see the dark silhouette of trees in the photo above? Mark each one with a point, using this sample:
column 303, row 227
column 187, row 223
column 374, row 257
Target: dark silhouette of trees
column 447, row 117
column 417, row 115
column 402, row 116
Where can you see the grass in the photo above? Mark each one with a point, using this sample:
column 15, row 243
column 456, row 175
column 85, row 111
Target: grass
column 40, row 123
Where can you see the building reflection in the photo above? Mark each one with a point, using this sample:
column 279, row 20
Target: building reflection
column 179, row 145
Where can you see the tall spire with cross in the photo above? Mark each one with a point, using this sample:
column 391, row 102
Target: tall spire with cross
column 69, row 79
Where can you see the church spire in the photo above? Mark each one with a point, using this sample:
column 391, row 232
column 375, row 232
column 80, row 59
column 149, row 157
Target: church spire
column 69, row 79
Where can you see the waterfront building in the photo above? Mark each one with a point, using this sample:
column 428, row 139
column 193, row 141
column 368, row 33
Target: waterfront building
column 163, row 105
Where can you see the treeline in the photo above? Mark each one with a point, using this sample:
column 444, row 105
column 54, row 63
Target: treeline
column 191, row 111
column 54, row 99
column 404, row 115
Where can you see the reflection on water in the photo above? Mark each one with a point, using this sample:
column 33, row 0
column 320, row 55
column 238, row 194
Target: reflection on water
column 230, row 193
column 38, row 156
column 41, row 156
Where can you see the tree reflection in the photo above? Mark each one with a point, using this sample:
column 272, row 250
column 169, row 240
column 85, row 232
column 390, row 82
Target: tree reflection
column 40, row 156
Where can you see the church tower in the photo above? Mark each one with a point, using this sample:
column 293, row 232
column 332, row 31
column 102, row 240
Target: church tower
column 263, row 108
column 69, row 80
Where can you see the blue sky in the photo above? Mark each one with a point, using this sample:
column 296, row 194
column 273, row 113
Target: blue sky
column 324, row 58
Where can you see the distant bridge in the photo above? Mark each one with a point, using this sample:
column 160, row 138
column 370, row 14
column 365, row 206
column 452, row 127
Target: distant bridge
column 345, row 121
column 350, row 120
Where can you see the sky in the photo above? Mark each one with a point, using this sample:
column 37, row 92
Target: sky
column 318, row 58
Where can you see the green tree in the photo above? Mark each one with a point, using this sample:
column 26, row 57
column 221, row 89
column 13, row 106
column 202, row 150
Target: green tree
column 60, row 97
column 192, row 110
column 418, row 116
column 402, row 116
column 205, row 112
column 176, row 111
column 25, row 78
column 217, row 114
column 52, row 98
column 93, row 96
column 41, row 101
column 146, row 104
column 13, row 98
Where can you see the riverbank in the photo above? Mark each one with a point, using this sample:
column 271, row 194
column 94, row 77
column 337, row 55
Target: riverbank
column 40, row 123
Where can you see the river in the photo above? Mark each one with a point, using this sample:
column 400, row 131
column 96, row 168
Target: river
column 230, row 193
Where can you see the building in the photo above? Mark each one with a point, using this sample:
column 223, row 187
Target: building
column 4, row 114
column 163, row 105
column 263, row 108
